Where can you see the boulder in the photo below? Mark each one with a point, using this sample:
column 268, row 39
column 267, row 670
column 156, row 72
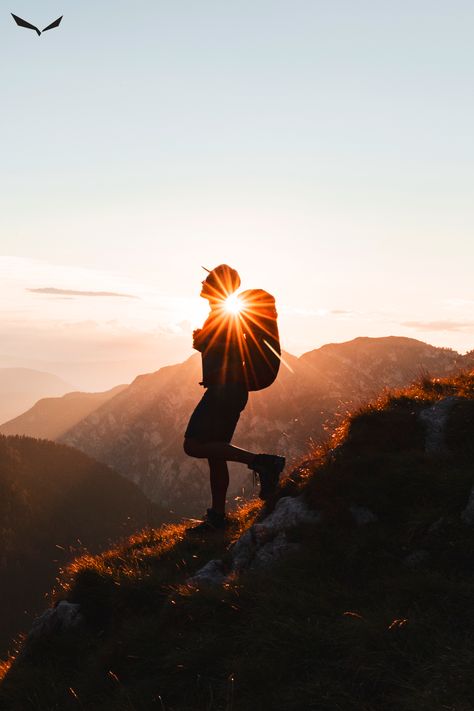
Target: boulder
column 435, row 418
column 56, row 619
column 264, row 543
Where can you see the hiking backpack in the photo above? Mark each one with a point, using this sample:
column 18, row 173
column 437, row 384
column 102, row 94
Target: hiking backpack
column 260, row 339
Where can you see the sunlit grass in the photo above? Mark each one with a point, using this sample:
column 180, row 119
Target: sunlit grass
column 150, row 554
column 5, row 667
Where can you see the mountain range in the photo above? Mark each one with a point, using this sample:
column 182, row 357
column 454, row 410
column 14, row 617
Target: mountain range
column 20, row 388
column 51, row 417
column 139, row 430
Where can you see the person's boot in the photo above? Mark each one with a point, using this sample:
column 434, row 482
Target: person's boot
column 268, row 467
column 212, row 521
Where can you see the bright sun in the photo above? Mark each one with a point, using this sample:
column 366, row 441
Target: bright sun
column 233, row 304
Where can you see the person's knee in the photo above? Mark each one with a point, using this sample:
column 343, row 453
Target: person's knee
column 192, row 447
column 188, row 447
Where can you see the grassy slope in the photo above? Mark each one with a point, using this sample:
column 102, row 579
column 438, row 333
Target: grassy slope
column 343, row 624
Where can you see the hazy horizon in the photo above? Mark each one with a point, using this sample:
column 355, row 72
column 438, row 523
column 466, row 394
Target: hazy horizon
column 101, row 376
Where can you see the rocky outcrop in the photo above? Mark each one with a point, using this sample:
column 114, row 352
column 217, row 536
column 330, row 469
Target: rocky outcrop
column 64, row 616
column 435, row 419
column 267, row 541
column 262, row 544
column 362, row 515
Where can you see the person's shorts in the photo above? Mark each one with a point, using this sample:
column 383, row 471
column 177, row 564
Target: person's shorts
column 217, row 413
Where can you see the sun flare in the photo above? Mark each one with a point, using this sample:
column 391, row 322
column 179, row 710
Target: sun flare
column 233, row 304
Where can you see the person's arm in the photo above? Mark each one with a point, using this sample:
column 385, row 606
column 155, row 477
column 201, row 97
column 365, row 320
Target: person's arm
column 202, row 336
column 213, row 333
column 199, row 340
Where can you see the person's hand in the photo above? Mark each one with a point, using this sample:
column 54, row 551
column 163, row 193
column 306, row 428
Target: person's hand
column 196, row 333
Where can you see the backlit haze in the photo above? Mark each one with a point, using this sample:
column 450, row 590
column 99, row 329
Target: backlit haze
column 323, row 149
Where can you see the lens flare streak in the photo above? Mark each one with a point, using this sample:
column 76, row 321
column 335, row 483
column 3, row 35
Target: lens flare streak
column 287, row 365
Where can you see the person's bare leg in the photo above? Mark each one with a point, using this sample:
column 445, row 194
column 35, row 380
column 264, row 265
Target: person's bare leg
column 217, row 450
column 219, row 483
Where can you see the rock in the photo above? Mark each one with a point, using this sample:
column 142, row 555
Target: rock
column 414, row 559
column 266, row 540
column 262, row 533
column 290, row 511
column 212, row 572
column 263, row 543
column 435, row 418
column 243, row 551
column 272, row 551
column 64, row 616
column 436, row 525
column 467, row 516
column 362, row 515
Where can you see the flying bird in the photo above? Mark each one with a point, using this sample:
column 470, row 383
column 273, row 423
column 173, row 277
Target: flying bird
column 24, row 23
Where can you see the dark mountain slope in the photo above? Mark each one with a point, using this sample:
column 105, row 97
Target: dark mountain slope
column 54, row 501
column 367, row 606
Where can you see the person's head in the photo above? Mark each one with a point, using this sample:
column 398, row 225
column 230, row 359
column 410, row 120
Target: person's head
column 220, row 283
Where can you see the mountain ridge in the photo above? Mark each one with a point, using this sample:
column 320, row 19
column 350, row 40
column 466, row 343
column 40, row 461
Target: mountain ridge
column 20, row 388
column 50, row 417
column 140, row 431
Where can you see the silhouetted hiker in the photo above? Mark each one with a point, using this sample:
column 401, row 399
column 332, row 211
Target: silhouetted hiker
column 215, row 418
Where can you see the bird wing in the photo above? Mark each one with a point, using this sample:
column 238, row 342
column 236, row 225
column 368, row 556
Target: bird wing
column 53, row 24
column 24, row 23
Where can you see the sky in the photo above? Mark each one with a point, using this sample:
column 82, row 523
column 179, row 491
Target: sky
column 321, row 147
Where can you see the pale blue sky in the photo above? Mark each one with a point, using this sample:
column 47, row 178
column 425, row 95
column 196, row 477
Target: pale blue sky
column 323, row 148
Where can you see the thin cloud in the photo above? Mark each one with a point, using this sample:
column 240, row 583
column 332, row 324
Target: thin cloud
column 439, row 325
column 341, row 312
column 75, row 292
